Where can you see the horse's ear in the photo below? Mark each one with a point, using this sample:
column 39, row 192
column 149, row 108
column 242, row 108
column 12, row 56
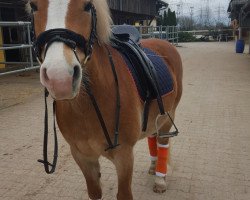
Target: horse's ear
column 27, row 6
column 104, row 20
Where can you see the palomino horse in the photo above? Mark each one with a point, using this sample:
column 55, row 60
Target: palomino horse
column 62, row 72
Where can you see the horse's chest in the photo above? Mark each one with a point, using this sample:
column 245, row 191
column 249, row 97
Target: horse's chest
column 80, row 131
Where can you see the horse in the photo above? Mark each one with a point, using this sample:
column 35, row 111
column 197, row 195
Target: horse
column 63, row 67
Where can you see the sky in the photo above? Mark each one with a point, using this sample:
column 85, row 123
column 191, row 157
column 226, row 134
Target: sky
column 218, row 9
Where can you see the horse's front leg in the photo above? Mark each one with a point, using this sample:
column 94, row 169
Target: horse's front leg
column 91, row 170
column 124, row 161
column 159, row 153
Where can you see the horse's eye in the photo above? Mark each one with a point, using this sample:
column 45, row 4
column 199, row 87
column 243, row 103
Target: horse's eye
column 88, row 7
column 33, row 7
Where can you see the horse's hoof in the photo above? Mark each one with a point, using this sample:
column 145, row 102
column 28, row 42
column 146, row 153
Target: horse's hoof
column 160, row 185
column 151, row 169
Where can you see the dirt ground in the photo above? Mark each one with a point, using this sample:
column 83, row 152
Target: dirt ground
column 210, row 157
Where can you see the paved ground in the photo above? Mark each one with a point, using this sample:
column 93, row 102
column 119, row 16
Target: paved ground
column 210, row 158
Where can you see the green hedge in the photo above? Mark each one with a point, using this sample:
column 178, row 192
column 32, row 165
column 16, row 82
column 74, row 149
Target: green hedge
column 186, row 37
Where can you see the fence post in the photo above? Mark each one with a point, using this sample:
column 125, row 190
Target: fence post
column 160, row 30
column 177, row 35
column 140, row 29
column 30, row 43
column 167, row 31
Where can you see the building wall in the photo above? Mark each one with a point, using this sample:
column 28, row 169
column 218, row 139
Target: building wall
column 145, row 7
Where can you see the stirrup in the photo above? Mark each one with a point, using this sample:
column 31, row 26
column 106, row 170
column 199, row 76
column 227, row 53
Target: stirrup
column 169, row 134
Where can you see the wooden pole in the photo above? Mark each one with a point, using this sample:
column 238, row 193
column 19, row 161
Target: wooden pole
column 249, row 41
column 2, row 53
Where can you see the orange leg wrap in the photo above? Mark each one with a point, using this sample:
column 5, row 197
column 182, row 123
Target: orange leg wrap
column 152, row 144
column 161, row 166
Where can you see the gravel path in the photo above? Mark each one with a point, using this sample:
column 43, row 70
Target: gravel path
column 210, row 157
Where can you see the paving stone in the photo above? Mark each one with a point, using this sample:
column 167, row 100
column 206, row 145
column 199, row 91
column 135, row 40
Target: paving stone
column 209, row 160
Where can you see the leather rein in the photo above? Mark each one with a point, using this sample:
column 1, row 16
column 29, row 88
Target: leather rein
column 74, row 41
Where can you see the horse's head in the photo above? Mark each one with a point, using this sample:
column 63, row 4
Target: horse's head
column 63, row 29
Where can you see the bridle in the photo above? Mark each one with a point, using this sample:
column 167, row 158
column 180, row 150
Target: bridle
column 74, row 40
column 66, row 36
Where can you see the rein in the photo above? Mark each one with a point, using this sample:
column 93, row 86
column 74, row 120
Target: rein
column 98, row 112
column 45, row 161
column 73, row 40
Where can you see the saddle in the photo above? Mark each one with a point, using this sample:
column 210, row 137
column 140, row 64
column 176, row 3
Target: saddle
column 125, row 32
column 126, row 39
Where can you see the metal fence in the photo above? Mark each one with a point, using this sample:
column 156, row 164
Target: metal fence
column 170, row 33
column 29, row 64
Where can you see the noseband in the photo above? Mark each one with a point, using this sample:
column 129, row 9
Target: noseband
column 66, row 36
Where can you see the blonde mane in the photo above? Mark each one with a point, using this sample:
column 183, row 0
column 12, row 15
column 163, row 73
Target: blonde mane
column 104, row 20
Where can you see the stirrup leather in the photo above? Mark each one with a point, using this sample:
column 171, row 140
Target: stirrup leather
column 157, row 127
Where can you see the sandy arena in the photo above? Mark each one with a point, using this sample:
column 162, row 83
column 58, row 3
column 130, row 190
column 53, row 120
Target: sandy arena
column 210, row 157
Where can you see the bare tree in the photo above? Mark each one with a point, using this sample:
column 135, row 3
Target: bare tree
column 185, row 23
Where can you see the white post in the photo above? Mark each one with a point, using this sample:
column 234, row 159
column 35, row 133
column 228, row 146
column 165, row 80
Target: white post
column 240, row 33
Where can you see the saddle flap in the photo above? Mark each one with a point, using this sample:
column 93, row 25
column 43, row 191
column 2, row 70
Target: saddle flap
column 122, row 36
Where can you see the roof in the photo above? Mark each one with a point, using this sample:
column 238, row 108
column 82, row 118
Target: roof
column 245, row 15
column 162, row 3
column 236, row 4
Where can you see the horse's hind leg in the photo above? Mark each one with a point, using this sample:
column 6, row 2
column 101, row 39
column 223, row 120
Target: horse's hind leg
column 124, row 161
column 91, row 170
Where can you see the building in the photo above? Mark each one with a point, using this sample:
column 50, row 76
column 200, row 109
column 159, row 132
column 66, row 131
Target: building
column 134, row 12
column 239, row 12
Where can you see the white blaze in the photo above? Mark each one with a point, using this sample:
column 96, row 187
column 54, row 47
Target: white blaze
column 57, row 71
column 57, row 12
column 55, row 58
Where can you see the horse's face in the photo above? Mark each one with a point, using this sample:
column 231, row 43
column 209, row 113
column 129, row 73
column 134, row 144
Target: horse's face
column 61, row 72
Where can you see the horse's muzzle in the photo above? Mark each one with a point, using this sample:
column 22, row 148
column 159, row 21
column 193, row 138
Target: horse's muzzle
column 62, row 84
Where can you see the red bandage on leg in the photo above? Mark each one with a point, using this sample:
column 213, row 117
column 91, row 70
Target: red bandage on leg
column 152, row 144
column 161, row 166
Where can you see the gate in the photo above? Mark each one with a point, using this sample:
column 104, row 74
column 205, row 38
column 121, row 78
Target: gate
column 170, row 33
column 22, row 29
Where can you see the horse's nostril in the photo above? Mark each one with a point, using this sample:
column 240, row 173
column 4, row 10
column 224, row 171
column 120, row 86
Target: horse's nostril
column 45, row 76
column 76, row 74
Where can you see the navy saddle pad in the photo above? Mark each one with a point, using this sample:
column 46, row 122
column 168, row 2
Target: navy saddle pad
column 164, row 77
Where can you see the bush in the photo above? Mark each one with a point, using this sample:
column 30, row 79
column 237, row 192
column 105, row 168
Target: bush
column 186, row 37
